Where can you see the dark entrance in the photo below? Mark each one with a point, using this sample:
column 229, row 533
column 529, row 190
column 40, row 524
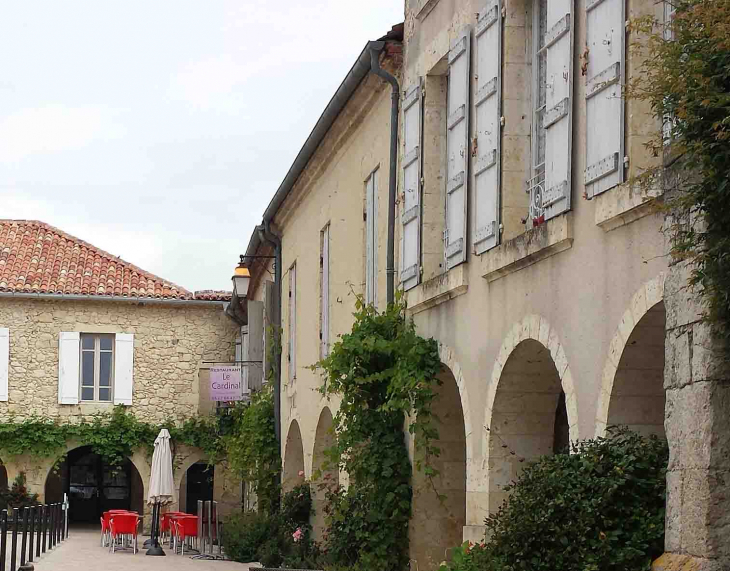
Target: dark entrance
column 93, row 487
column 199, row 486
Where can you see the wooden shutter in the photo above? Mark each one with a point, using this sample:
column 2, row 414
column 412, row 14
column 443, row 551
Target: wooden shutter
column 324, row 328
column 371, row 239
column 4, row 362
column 604, row 101
column 558, row 107
column 488, row 114
column 457, row 149
column 123, row 368
column 411, row 218
column 69, row 357
column 292, row 322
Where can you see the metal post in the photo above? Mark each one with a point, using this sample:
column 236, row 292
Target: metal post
column 210, row 526
column 39, row 512
column 58, row 523
column 65, row 513
column 50, row 527
column 44, row 517
column 24, row 540
column 31, row 534
column 201, row 528
column 14, row 545
column 3, row 538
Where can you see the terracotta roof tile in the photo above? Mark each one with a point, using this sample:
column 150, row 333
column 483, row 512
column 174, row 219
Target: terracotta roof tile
column 35, row 257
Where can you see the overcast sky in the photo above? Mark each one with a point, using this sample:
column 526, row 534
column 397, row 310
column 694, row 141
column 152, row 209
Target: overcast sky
column 158, row 130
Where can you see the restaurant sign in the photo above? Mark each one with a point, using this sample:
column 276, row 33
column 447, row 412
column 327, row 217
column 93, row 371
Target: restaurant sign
column 225, row 383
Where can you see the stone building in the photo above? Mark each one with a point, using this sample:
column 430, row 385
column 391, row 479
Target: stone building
column 527, row 250
column 82, row 331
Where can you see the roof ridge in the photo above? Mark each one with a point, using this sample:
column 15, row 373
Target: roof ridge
column 91, row 246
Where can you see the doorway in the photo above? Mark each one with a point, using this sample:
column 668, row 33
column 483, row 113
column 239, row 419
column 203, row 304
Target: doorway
column 93, row 486
column 199, row 483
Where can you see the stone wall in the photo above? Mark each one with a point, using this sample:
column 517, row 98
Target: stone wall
column 170, row 344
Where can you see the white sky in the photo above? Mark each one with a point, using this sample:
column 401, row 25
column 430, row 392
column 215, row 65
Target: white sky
column 158, row 130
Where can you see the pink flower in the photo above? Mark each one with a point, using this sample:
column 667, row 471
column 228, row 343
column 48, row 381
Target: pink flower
column 297, row 535
column 301, row 473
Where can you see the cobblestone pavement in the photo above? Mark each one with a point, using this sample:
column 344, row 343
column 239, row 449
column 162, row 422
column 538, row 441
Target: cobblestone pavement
column 83, row 551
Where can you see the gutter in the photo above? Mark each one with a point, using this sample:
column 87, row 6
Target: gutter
column 116, row 298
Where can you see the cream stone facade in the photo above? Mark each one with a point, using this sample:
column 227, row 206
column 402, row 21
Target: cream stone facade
column 539, row 263
column 173, row 341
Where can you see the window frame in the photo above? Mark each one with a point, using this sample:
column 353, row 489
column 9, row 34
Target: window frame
column 536, row 182
column 97, row 351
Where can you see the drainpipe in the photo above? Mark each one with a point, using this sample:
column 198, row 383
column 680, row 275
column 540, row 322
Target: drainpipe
column 375, row 49
column 266, row 235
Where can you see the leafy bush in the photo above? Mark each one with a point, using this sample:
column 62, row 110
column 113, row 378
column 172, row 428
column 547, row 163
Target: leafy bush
column 18, row 495
column 600, row 508
column 282, row 538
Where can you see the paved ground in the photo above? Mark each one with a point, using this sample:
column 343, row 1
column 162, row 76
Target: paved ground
column 83, row 551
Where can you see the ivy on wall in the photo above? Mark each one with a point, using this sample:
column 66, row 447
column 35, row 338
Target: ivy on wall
column 383, row 372
column 685, row 78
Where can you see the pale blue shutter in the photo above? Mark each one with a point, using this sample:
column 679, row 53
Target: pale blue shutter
column 123, row 368
column 488, row 115
column 604, row 100
column 411, row 217
column 324, row 336
column 457, row 148
column 558, row 107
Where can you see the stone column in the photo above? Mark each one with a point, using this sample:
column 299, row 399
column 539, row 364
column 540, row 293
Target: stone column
column 697, row 423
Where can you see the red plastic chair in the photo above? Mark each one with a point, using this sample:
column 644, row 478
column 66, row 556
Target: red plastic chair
column 104, row 529
column 185, row 528
column 122, row 524
column 165, row 522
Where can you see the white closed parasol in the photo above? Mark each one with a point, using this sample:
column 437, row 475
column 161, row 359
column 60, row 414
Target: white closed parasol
column 161, row 486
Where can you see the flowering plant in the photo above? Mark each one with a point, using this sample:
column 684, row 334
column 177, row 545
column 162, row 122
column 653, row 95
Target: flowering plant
column 297, row 535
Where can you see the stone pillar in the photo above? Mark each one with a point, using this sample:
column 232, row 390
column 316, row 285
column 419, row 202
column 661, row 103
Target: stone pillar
column 697, row 423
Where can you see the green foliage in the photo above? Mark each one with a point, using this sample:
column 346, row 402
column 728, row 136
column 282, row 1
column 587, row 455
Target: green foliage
column 381, row 371
column 686, row 79
column 17, row 496
column 599, row 508
column 252, row 449
column 114, row 436
column 274, row 539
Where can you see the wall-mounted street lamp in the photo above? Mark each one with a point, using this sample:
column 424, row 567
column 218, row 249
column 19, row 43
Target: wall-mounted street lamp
column 242, row 277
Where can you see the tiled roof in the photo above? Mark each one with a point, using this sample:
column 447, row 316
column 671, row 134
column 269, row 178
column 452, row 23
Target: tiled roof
column 38, row 258
column 213, row 295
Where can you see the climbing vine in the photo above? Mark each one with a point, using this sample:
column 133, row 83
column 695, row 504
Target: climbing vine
column 114, row 436
column 383, row 373
column 685, row 78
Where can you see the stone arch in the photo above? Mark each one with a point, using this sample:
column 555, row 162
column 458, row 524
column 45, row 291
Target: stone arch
column 323, row 469
column 293, row 472
column 639, row 326
column 531, row 403
column 437, row 524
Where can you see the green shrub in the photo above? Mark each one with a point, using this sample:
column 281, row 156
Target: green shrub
column 18, row 495
column 599, row 508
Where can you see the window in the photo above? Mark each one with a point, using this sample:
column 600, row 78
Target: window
column 292, row 331
column 324, row 293
column 97, row 367
column 371, row 238
column 539, row 101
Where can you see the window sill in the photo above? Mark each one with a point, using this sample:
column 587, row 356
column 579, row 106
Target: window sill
column 625, row 204
column 425, row 7
column 546, row 240
column 437, row 290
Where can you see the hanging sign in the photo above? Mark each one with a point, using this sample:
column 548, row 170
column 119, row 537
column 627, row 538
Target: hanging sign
column 225, row 383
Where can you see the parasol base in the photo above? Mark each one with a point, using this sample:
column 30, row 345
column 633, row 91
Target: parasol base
column 156, row 550
column 148, row 543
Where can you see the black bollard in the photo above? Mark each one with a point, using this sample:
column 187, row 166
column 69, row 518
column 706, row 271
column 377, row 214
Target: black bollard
column 24, row 540
column 59, row 524
column 63, row 521
column 14, row 545
column 39, row 510
column 44, row 517
column 31, row 534
column 51, row 527
column 4, row 538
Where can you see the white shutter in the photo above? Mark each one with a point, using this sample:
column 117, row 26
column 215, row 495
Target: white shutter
column 244, row 356
column 457, row 150
column 69, row 357
column 411, row 217
column 604, row 102
column 324, row 331
column 488, row 113
column 292, row 322
column 371, row 238
column 123, row 368
column 4, row 362
column 558, row 107
column 254, row 345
